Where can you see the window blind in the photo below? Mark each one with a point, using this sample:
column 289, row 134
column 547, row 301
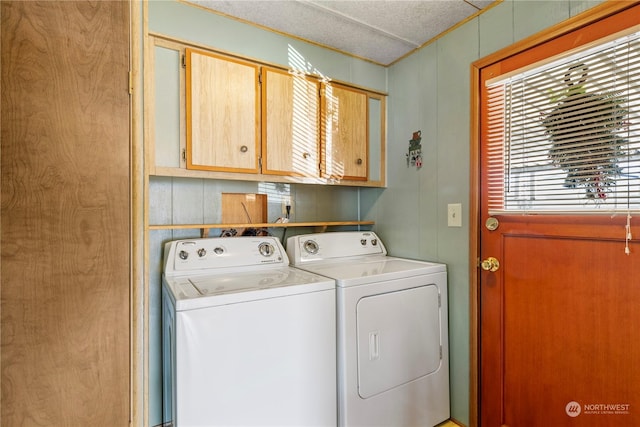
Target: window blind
column 564, row 136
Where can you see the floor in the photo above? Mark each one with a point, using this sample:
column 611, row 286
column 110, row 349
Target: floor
column 448, row 424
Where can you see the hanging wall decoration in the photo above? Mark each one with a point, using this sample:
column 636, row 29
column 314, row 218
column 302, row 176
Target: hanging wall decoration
column 591, row 161
column 414, row 156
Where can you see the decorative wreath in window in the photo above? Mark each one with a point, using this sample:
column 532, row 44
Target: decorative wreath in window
column 584, row 132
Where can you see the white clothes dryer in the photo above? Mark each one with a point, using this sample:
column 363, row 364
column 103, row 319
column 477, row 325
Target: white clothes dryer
column 393, row 357
column 247, row 340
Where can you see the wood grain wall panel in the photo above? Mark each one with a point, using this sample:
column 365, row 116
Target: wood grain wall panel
column 65, row 214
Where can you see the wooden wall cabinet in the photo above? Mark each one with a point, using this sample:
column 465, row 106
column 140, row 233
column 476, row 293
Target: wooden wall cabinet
column 345, row 141
column 253, row 119
column 223, row 120
column 291, row 123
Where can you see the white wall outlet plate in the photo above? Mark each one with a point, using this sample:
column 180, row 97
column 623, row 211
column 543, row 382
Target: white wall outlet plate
column 454, row 215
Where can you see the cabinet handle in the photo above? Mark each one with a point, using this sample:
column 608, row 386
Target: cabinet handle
column 243, row 149
column 359, row 161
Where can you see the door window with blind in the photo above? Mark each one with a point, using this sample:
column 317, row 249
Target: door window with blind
column 564, row 135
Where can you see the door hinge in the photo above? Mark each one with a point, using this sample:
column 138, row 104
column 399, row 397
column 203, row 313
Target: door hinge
column 260, row 162
column 260, row 78
column 130, row 83
column 184, row 61
column 184, row 155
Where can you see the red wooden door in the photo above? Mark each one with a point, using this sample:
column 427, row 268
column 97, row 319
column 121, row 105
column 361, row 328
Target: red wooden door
column 558, row 319
column 560, row 323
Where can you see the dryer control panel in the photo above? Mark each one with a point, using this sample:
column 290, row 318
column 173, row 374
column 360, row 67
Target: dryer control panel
column 195, row 256
column 333, row 245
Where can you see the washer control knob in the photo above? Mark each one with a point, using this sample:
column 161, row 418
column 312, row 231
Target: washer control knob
column 374, row 242
column 311, row 247
column 266, row 249
column 202, row 252
column 218, row 250
column 363, row 242
column 183, row 254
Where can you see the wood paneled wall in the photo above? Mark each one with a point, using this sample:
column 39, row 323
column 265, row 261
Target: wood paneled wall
column 65, row 249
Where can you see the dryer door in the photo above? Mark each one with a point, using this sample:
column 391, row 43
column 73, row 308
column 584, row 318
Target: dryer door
column 398, row 338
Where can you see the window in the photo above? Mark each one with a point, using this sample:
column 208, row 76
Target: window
column 564, row 135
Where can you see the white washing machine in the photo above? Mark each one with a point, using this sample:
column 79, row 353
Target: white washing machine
column 393, row 357
column 247, row 340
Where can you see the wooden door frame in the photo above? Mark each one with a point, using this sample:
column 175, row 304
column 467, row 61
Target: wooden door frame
column 139, row 405
column 590, row 16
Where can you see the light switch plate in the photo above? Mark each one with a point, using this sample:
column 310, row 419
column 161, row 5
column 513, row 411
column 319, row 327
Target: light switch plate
column 454, row 215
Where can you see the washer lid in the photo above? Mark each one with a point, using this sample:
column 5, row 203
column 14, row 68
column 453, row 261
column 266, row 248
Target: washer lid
column 221, row 289
column 358, row 271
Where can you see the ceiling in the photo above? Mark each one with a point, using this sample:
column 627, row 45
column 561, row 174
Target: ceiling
column 380, row 31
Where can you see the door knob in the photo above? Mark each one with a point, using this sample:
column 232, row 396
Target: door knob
column 490, row 264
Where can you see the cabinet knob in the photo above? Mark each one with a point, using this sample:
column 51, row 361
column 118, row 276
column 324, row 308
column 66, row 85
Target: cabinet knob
column 305, row 155
column 243, row 149
column 359, row 161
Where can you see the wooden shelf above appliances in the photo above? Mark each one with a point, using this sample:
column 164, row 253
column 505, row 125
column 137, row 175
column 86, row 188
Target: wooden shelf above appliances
column 319, row 226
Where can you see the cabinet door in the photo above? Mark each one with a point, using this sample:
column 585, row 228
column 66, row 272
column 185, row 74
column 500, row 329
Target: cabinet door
column 345, row 133
column 377, row 154
column 291, row 123
column 223, row 121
